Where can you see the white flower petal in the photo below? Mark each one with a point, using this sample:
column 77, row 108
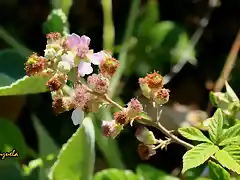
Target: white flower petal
column 77, row 116
column 84, row 68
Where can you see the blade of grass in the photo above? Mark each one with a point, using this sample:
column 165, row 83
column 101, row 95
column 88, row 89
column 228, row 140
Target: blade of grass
column 125, row 47
column 14, row 43
column 108, row 26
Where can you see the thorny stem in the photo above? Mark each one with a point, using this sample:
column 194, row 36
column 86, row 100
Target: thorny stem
column 156, row 124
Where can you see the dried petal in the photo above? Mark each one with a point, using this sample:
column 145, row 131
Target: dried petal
column 145, row 136
column 146, row 151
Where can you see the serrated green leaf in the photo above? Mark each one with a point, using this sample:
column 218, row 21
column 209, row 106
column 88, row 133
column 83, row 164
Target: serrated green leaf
column 216, row 126
column 198, row 155
column 116, row 174
column 12, row 138
column 217, row 172
column 234, row 152
column 150, row 173
column 230, row 141
column 77, row 156
column 231, row 132
column 230, row 93
column 65, row 5
column 25, row 85
column 227, row 161
column 56, row 22
column 194, row 134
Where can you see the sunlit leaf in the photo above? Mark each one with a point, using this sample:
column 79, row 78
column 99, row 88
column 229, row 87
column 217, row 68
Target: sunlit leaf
column 231, row 132
column 116, row 174
column 232, row 140
column 227, row 161
column 25, row 85
column 234, row 152
column 217, row 172
column 230, row 93
column 198, row 155
column 77, row 156
column 216, row 126
column 151, row 173
column 194, row 134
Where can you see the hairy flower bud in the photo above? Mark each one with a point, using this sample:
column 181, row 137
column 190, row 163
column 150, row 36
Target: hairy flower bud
column 145, row 136
column 56, row 82
column 109, row 66
column 162, row 96
column 121, row 117
column 146, row 151
column 82, row 96
column 98, row 83
column 62, row 104
column 134, row 108
column 111, row 128
column 53, row 37
column 35, row 64
column 64, row 66
column 154, row 80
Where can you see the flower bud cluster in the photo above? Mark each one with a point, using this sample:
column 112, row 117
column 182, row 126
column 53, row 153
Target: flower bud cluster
column 152, row 88
column 71, row 54
column 121, row 118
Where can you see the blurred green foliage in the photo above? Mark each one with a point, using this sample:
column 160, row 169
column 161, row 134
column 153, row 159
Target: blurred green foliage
column 148, row 43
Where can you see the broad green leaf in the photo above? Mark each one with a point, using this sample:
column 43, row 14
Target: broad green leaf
column 217, row 172
column 25, row 85
column 216, row 126
column 77, row 156
column 234, row 152
column 231, row 132
column 11, row 138
column 116, row 174
column 227, row 161
column 194, row 134
column 65, row 5
column 10, row 171
column 198, row 155
column 46, row 143
column 56, row 22
column 148, row 18
column 232, row 140
column 5, row 80
column 230, row 93
column 11, row 66
column 151, row 173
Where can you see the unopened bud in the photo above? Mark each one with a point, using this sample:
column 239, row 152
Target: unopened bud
column 64, row 66
column 162, row 96
column 121, row 117
column 109, row 66
column 146, row 91
column 145, row 136
column 98, row 83
column 111, row 128
column 146, row 151
column 134, row 108
column 56, row 82
column 49, row 53
column 61, row 104
column 154, row 80
column 35, row 64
